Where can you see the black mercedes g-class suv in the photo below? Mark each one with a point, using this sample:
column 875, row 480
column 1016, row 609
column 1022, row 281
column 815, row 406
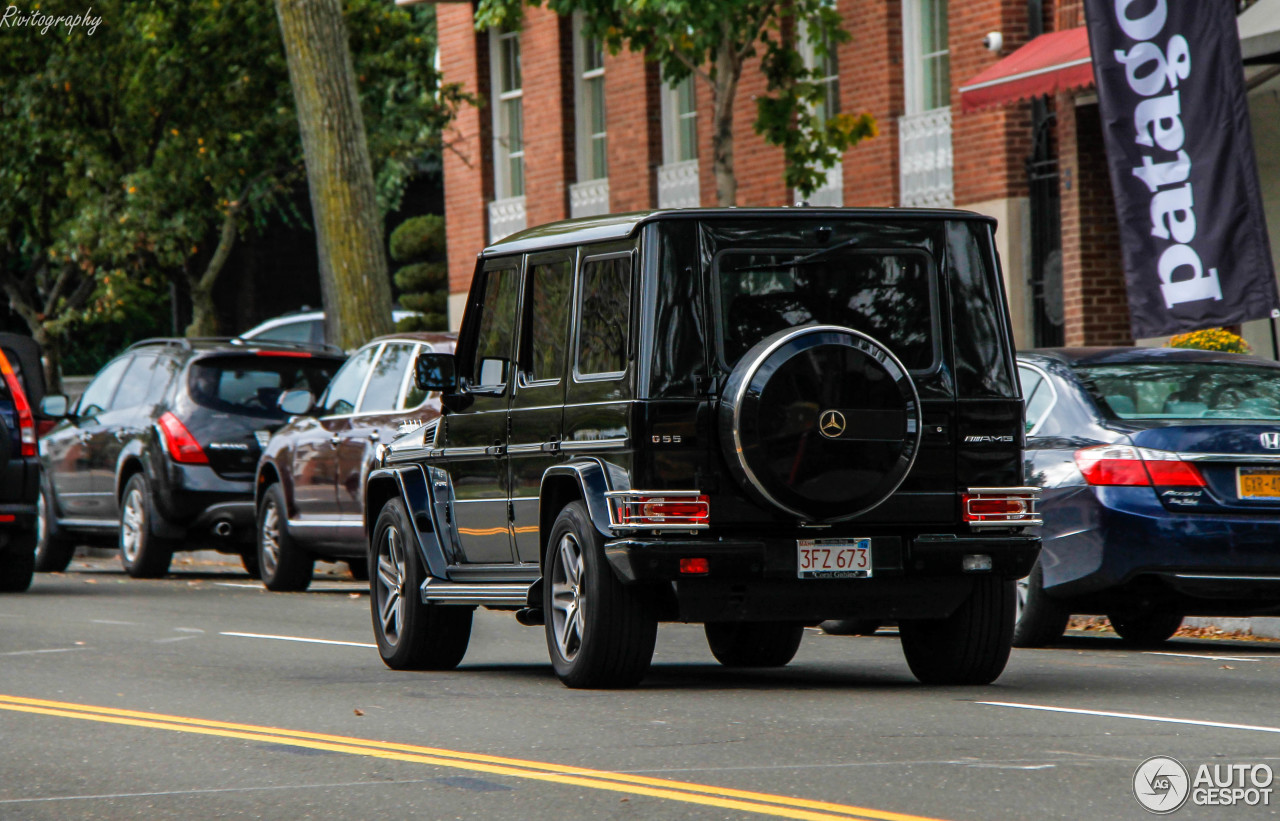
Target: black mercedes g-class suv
column 756, row 419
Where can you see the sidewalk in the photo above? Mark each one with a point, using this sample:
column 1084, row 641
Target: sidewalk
column 1262, row 626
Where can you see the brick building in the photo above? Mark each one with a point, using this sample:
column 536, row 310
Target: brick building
column 570, row 131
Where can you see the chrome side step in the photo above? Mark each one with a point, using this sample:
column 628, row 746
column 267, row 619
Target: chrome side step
column 445, row 592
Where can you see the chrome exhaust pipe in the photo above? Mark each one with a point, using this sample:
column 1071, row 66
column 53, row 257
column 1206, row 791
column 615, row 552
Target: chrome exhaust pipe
column 222, row 528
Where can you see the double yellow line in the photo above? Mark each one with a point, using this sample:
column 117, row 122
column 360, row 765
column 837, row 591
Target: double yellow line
column 747, row 801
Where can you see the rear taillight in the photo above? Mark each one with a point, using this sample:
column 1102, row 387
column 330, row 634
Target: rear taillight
column 293, row 354
column 1127, row 466
column 682, row 509
column 182, row 446
column 26, row 420
column 1001, row 506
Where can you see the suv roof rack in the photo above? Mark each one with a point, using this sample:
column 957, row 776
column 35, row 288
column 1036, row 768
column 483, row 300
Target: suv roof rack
column 180, row 342
column 186, row 343
column 327, row 347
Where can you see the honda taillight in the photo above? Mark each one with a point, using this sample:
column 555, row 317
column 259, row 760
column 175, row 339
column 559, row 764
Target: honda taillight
column 683, row 509
column 26, row 420
column 1127, row 466
column 183, row 447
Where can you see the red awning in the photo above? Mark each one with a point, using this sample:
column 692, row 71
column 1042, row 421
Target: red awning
column 1053, row 62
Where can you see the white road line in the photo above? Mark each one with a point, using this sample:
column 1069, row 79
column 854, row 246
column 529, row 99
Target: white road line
column 1212, row 658
column 187, row 630
column 34, row 652
column 298, row 638
column 109, row 621
column 175, row 638
column 1222, row 725
column 240, row 584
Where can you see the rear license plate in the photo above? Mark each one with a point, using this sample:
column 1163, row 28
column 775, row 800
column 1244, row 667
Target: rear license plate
column 1258, row 483
column 833, row 558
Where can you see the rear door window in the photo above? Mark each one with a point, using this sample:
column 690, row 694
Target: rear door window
column 344, row 392
column 387, row 379
column 135, row 384
column 887, row 295
column 252, row 384
column 604, row 317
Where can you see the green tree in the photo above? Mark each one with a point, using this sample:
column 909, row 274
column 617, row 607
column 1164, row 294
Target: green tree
column 424, row 280
column 142, row 152
column 712, row 40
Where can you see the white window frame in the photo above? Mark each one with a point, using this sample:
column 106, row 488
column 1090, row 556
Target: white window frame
column 831, row 192
column 582, row 76
column 914, row 56
column 503, row 185
column 672, row 118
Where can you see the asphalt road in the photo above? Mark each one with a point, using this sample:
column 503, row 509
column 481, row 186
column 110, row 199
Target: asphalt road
column 203, row 696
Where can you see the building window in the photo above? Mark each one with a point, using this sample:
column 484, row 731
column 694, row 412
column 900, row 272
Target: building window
column 826, row 68
column 508, row 115
column 588, row 58
column 678, row 175
column 924, row 132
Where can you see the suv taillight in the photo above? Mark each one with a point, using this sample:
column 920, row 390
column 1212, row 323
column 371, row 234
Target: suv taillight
column 183, row 447
column 26, row 420
column 1001, row 506
column 1127, row 466
column 657, row 509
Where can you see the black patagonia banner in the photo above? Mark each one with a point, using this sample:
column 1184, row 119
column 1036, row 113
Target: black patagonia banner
column 1176, row 126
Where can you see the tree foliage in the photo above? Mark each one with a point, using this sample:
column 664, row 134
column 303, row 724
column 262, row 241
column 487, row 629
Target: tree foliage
column 142, row 152
column 424, row 280
column 711, row 40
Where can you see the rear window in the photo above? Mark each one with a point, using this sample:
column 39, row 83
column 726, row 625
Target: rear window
column 1184, row 390
column 252, row 384
column 885, row 294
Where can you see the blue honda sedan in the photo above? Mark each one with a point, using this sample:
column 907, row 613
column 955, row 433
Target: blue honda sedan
column 1160, row 471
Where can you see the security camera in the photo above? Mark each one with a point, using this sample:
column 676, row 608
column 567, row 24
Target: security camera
column 994, row 41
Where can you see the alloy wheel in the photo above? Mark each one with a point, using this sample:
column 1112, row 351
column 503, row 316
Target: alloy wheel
column 269, row 537
column 132, row 520
column 568, row 603
column 390, row 586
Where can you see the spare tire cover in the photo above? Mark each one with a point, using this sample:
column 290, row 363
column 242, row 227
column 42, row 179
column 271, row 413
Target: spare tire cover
column 821, row 422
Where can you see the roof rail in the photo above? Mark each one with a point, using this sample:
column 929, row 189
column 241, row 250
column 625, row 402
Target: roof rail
column 180, row 342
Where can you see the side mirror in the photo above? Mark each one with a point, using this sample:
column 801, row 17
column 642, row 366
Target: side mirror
column 296, row 403
column 54, row 406
column 435, row 372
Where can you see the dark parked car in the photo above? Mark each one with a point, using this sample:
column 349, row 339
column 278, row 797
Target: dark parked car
column 160, row 450
column 310, row 488
column 756, row 419
column 21, row 385
column 1161, row 477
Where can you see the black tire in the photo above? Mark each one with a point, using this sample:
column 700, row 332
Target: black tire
column 143, row 554
column 754, row 643
column 18, row 562
column 411, row 634
column 283, row 565
column 1147, row 630
column 359, row 569
column 850, row 627
column 600, row 633
column 1039, row 620
column 971, row 646
column 53, row 549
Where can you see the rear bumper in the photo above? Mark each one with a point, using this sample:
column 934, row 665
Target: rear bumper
column 193, row 499
column 922, row 577
column 1121, row 542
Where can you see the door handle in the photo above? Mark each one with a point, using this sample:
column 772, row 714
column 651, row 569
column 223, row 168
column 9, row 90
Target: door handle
column 335, row 439
column 374, row 436
column 497, row 449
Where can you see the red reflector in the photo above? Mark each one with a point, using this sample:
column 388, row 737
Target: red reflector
column 996, row 507
column 7, row 517
column 296, row 354
column 695, row 567
column 26, row 420
column 638, row 510
column 183, row 447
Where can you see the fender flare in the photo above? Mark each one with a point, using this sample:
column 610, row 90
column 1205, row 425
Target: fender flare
column 410, row 484
column 594, row 478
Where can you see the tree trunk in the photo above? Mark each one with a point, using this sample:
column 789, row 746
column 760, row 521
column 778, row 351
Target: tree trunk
column 355, row 285
column 51, row 351
column 204, row 317
column 724, row 88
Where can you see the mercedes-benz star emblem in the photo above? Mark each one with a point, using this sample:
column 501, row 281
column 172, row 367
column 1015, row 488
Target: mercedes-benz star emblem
column 831, row 424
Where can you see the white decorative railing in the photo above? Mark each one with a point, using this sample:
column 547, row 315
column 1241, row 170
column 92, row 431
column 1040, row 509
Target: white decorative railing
column 590, row 198
column 506, row 217
column 831, row 192
column 678, row 185
column 924, row 156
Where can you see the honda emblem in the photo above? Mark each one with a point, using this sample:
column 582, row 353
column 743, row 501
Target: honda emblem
column 1270, row 440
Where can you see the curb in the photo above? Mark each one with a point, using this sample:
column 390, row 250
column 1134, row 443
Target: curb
column 1262, row 626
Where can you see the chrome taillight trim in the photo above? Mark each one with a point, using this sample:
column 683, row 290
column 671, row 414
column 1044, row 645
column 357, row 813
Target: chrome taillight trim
column 1028, row 518
column 620, row 498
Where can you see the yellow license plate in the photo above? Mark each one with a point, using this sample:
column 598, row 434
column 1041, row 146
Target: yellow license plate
column 1258, row 483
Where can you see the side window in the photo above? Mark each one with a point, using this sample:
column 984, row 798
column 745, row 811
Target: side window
column 135, row 384
column 299, row 331
column 414, row 396
column 388, row 376
column 1039, row 396
column 497, row 327
column 97, row 396
column 344, row 390
column 548, row 299
column 604, row 316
